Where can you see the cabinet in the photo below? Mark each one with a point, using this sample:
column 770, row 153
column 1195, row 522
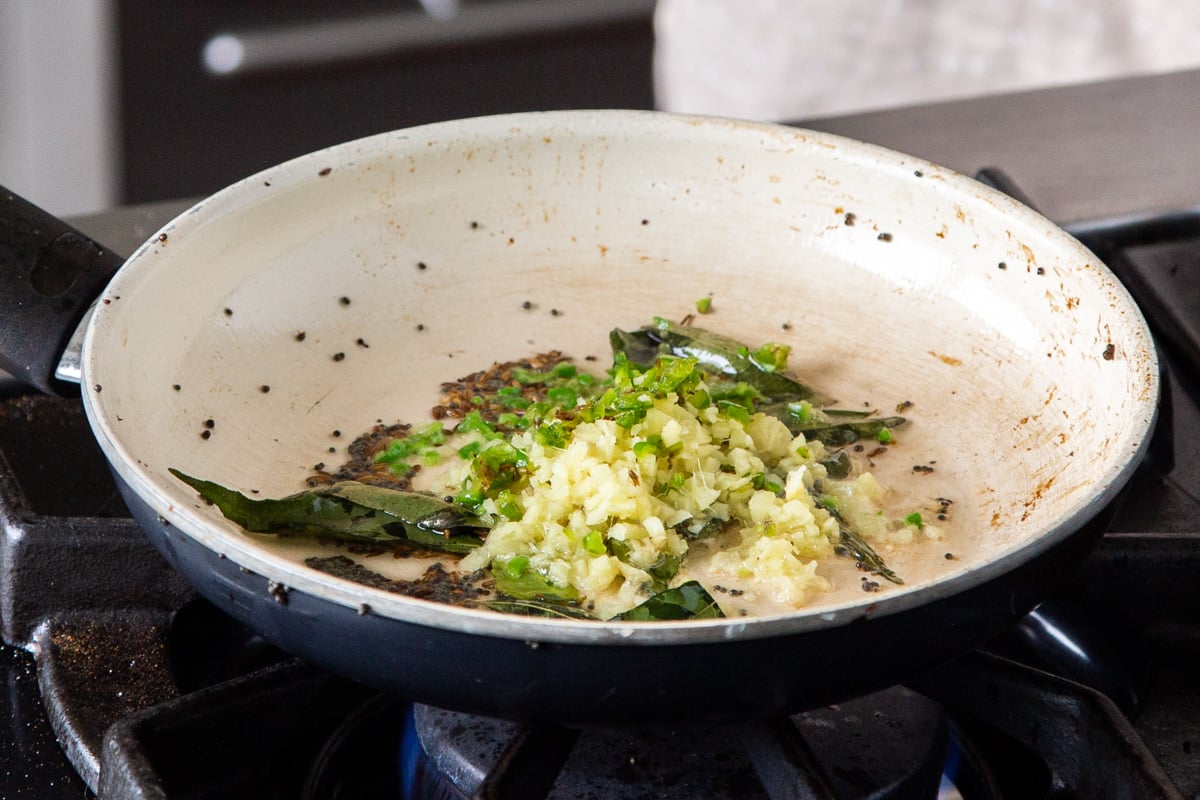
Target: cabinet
column 213, row 90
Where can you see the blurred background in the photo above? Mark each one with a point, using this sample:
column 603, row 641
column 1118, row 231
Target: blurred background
column 128, row 101
column 106, row 102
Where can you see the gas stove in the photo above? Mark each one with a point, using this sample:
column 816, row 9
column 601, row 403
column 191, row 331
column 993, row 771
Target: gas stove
column 123, row 684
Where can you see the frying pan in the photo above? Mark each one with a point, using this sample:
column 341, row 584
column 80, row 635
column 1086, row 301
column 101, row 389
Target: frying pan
column 418, row 256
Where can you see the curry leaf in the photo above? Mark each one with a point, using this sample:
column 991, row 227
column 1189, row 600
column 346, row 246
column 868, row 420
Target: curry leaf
column 637, row 346
column 838, row 465
column 716, row 354
column 539, row 608
column 687, row 601
column 350, row 511
column 416, row 508
column 662, row 570
column 833, row 427
column 529, row 584
column 865, row 556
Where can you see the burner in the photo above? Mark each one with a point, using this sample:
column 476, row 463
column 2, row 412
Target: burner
column 890, row 744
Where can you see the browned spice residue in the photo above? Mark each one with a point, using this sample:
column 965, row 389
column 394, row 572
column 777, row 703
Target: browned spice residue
column 362, row 467
column 477, row 391
column 949, row 361
column 1110, row 352
column 1030, row 258
column 1038, row 493
column 437, row 584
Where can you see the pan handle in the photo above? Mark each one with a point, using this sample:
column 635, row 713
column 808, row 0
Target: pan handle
column 49, row 274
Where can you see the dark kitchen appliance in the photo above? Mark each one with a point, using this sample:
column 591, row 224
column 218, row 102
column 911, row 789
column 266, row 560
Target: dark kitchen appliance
column 213, row 91
column 150, row 692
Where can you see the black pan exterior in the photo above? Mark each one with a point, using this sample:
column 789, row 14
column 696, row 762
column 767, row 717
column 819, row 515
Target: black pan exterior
column 584, row 684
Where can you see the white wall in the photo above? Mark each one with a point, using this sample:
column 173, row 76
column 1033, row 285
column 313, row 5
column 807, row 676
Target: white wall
column 57, row 98
column 803, row 59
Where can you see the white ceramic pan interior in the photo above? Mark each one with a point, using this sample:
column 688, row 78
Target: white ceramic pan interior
column 415, row 254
